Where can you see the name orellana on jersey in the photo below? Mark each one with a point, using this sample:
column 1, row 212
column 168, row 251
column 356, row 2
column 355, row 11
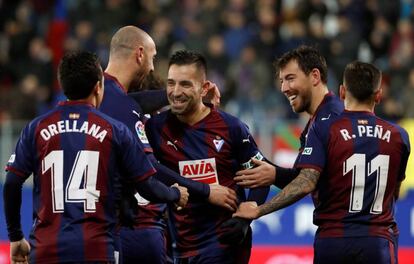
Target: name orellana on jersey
column 202, row 170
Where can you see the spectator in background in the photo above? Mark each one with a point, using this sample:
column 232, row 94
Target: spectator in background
column 379, row 41
column 343, row 46
column 251, row 81
column 407, row 96
column 236, row 35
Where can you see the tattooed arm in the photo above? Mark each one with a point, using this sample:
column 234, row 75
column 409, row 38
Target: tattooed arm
column 294, row 191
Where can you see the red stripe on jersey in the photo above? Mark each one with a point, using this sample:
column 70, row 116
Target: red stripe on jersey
column 95, row 226
column 47, row 226
column 385, row 221
column 15, row 171
column 219, row 130
column 335, row 188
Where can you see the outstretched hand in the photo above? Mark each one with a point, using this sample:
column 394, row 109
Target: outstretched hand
column 260, row 176
column 213, row 94
column 223, row 196
column 19, row 252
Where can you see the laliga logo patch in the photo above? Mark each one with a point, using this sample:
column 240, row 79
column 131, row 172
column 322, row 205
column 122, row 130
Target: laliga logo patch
column 140, row 128
column 218, row 143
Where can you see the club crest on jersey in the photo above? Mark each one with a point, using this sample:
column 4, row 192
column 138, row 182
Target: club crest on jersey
column 140, row 128
column 218, row 143
column 203, row 170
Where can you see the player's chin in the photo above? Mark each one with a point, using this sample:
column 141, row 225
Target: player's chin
column 177, row 110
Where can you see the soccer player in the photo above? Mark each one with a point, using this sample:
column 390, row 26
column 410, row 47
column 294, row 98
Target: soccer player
column 206, row 145
column 303, row 75
column 73, row 152
column 131, row 58
column 354, row 165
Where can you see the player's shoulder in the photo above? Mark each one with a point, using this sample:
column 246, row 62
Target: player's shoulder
column 109, row 120
column 229, row 119
column 42, row 118
column 394, row 127
column 331, row 107
column 160, row 117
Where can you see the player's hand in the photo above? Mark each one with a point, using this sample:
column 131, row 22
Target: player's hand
column 234, row 231
column 19, row 252
column 260, row 176
column 247, row 210
column 213, row 94
column 223, row 196
column 183, row 196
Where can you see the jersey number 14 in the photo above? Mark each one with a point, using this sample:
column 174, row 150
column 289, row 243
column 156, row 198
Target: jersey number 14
column 85, row 167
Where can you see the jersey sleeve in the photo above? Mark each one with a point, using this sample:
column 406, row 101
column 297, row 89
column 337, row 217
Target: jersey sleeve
column 21, row 162
column 133, row 158
column 246, row 149
column 153, row 134
column 406, row 148
column 245, row 146
column 313, row 154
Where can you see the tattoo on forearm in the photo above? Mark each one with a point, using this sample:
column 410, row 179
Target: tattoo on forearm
column 303, row 184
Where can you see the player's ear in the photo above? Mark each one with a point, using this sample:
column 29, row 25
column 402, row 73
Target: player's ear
column 139, row 54
column 204, row 88
column 342, row 92
column 316, row 76
column 378, row 96
column 97, row 88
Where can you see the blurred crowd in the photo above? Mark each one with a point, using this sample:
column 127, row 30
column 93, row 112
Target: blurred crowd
column 240, row 38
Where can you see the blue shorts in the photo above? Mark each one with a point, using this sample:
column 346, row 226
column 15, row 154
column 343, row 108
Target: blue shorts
column 355, row 250
column 235, row 254
column 145, row 245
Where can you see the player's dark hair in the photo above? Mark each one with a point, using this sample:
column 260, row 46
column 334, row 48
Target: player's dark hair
column 308, row 58
column 362, row 80
column 78, row 73
column 186, row 57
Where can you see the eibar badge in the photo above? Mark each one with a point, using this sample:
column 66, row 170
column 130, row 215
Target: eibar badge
column 218, row 143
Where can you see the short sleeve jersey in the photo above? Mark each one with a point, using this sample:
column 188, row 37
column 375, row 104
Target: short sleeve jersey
column 118, row 105
column 210, row 151
column 73, row 153
column 361, row 158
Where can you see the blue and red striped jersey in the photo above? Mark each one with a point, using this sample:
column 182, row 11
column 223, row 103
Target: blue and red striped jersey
column 362, row 159
column 117, row 104
column 73, row 152
column 330, row 106
column 210, row 151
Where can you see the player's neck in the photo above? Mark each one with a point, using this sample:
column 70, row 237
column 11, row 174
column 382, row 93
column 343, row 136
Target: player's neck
column 200, row 113
column 353, row 105
column 317, row 97
column 123, row 76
